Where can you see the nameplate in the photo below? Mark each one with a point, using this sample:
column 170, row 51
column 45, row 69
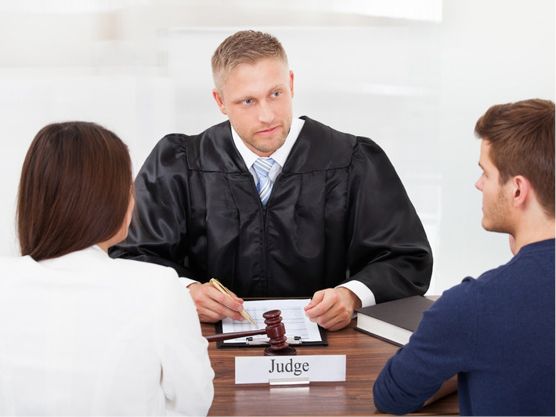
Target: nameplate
column 288, row 370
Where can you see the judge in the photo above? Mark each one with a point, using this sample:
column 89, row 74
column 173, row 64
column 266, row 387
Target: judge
column 275, row 206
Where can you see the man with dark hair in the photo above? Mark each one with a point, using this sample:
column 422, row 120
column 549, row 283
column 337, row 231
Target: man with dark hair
column 275, row 206
column 495, row 332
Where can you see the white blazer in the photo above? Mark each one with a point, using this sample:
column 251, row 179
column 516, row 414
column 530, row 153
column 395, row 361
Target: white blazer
column 85, row 334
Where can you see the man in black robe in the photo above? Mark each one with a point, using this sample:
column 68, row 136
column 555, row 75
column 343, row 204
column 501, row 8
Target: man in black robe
column 274, row 206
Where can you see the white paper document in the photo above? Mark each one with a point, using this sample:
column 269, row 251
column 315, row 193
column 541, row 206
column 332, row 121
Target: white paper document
column 297, row 324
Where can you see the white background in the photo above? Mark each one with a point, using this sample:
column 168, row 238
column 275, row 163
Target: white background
column 414, row 75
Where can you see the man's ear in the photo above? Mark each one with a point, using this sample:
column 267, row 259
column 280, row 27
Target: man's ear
column 291, row 82
column 521, row 191
column 219, row 102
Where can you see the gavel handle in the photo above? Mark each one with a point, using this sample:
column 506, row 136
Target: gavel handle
column 233, row 335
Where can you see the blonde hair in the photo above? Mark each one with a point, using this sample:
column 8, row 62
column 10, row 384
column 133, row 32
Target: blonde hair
column 246, row 46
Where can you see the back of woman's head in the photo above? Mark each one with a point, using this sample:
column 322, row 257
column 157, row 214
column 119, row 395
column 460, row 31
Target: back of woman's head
column 74, row 190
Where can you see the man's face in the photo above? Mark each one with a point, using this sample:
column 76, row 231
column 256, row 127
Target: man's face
column 496, row 197
column 257, row 98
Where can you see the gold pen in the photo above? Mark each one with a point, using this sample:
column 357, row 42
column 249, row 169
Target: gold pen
column 216, row 284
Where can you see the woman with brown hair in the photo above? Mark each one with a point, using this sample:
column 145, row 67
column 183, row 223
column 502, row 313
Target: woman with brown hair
column 81, row 333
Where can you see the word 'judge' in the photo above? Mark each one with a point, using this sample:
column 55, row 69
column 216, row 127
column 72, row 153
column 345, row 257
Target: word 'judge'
column 289, row 367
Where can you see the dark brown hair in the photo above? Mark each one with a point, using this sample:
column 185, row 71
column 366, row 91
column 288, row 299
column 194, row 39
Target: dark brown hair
column 246, row 46
column 521, row 138
column 74, row 190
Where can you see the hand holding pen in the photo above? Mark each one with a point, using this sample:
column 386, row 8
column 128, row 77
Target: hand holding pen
column 214, row 305
column 216, row 284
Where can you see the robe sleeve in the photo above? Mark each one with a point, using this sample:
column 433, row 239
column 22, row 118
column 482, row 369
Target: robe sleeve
column 387, row 246
column 158, row 232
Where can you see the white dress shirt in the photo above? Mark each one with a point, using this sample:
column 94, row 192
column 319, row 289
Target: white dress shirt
column 280, row 155
column 84, row 334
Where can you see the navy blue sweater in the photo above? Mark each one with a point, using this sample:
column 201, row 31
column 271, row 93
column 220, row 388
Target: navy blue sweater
column 496, row 332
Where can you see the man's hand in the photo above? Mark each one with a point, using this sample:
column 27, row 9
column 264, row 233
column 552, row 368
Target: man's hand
column 332, row 308
column 212, row 305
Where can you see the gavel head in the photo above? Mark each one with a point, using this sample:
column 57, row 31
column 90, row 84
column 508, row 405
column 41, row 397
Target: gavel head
column 276, row 332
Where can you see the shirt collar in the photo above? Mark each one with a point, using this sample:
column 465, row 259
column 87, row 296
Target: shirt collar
column 280, row 155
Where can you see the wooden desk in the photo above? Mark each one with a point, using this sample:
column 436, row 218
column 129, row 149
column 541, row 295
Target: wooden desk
column 365, row 358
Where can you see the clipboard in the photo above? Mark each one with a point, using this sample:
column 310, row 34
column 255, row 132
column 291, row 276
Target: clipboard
column 293, row 314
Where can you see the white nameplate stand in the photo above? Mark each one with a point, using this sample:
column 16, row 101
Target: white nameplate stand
column 290, row 370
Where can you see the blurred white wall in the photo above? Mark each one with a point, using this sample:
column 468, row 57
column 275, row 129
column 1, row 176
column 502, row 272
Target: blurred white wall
column 412, row 75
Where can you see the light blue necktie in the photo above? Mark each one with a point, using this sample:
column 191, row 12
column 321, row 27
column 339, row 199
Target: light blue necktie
column 262, row 167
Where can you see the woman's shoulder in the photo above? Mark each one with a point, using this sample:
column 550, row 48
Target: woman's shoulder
column 12, row 265
column 148, row 274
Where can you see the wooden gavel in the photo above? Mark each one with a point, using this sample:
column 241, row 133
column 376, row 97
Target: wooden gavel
column 275, row 330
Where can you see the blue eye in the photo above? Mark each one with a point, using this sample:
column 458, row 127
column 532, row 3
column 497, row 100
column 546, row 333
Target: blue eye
column 248, row 101
column 276, row 93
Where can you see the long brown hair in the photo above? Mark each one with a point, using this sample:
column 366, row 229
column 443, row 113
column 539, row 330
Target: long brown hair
column 521, row 137
column 74, row 189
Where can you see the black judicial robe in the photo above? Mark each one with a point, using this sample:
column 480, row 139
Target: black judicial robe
column 337, row 212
